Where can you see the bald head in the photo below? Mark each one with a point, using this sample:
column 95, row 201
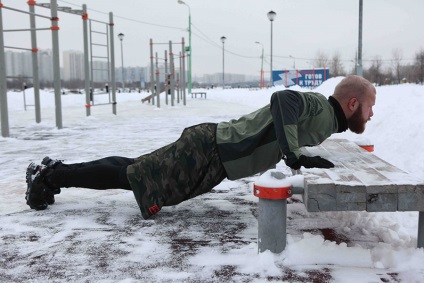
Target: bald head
column 353, row 87
column 356, row 96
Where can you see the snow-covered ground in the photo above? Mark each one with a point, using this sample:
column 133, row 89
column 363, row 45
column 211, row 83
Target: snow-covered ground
column 99, row 236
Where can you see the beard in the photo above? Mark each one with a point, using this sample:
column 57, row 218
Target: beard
column 356, row 123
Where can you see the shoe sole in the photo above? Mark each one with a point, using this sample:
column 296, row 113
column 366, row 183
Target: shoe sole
column 31, row 171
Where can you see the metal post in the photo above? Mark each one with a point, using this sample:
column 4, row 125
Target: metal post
column 271, row 79
column 112, row 62
column 24, row 96
column 166, row 77
column 86, row 61
column 122, row 64
column 271, row 16
column 35, row 78
column 190, row 54
column 180, row 66
column 420, row 238
column 223, row 65
column 359, row 69
column 272, row 223
column 172, row 72
column 157, row 94
column 177, row 81
column 3, row 88
column 223, row 38
column 152, row 81
column 272, row 211
column 56, row 63
column 183, row 82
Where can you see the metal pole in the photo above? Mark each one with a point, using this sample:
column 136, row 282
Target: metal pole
column 172, row 72
column 157, row 94
column 3, row 88
column 420, row 238
column 271, row 79
column 112, row 62
column 122, row 63
column 166, row 84
column 176, row 82
column 191, row 51
column 272, row 223
column 183, row 83
column 152, row 81
column 24, row 96
column 56, row 63
column 91, row 91
column 262, row 69
column 359, row 70
column 35, row 77
column 223, row 64
column 86, row 61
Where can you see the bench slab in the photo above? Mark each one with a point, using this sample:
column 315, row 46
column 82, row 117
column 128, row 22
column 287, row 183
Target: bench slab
column 359, row 181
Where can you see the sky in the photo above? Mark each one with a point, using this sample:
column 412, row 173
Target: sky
column 301, row 29
column 99, row 236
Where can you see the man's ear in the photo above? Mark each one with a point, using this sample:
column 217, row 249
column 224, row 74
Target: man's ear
column 353, row 104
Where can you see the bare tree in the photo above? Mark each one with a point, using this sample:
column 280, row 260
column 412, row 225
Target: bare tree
column 397, row 64
column 419, row 65
column 375, row 72
column 336, row 65
column 321, row 60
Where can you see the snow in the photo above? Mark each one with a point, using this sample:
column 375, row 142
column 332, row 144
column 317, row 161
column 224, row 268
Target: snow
column 99, row 236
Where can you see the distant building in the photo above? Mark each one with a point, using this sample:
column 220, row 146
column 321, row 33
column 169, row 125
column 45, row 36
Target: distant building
column 73, row 65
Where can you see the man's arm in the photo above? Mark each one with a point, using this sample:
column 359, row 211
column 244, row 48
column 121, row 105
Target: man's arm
column 286, row 108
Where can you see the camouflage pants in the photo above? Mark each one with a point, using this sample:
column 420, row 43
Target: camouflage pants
column 182, row 170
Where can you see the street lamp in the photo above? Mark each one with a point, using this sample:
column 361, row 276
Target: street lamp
column 121, row 38
column 223, row 38
column 271, row 16
column 262, row 65
column 188, row 48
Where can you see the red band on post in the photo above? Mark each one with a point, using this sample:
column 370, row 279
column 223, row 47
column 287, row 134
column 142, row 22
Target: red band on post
column 272, row 193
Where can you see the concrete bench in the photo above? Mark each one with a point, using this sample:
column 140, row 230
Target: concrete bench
column 360, row 181
column 198, row 92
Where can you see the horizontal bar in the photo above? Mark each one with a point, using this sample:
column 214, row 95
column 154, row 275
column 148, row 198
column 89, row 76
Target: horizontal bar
column 29, row 29
column 97, row 44
column 93, row 31
column 99, row 57
column 100, row 69
column 18, row 77
column 99, row 22
column 167, row 43
column 20, row 48
column 102, row 103
column 62, row 9
column 24, row 12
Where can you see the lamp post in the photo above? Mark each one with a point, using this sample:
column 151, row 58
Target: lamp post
column 188, row 48
column 121, row 38
column 262, row 65
column 359, row 69
column 271, row 16
column 223, row 38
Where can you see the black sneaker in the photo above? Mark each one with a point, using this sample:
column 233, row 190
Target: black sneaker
column 36, row 192
column 51, row 163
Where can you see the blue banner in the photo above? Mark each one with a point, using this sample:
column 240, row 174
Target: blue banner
column 304, row 78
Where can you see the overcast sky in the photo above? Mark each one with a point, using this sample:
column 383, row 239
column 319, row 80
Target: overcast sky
column 301, row 29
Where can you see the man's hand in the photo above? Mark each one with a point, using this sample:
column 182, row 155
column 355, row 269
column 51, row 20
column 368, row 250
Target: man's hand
column 311, row 162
